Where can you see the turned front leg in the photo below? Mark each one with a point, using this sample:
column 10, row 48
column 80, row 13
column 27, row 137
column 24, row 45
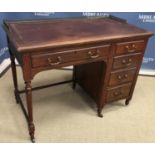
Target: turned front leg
column 14, row 75
column 31, row 126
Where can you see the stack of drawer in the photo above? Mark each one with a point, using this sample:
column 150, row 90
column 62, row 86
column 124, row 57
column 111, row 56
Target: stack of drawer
column 126, row 60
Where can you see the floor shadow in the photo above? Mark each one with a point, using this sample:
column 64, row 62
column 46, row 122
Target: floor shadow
column 85, row 97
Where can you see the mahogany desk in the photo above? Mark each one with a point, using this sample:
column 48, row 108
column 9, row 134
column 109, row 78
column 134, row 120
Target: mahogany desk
column 106, row 54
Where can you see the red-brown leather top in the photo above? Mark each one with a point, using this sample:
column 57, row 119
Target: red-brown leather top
column 30, row 35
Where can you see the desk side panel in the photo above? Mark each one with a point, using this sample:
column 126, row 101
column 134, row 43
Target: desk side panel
column 89, row 77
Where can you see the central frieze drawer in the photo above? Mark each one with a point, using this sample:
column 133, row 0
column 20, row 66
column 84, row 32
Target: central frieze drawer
column 117, row 93
column 86, row 54
column 127, row 61
column 119, row 77
column 129, row 47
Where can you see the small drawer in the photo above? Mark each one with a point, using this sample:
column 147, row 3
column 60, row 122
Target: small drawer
column 117, row 93
column 130, row 47
column 48, row 59
column 127, row 61
column 118, row 77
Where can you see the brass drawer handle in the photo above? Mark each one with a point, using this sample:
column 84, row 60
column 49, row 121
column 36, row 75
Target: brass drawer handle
column 122, row 77
column 127, row 47
column 119, row 77
column 117, row 93
column 94, row 55
column 125, row 62
column 132, row 49
column 55, row 63
column 134, row 46
column 130, row 60
column 126, row 76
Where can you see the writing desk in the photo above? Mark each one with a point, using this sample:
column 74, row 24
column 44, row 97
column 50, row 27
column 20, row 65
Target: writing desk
column 106, row 54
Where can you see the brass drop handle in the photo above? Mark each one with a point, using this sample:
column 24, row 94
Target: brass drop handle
column 126, row 76
column 134, row 46
column 130, row 60
column 119, row 77
column 122, row 77
column 117, row 93
column 127, row 47
column 125, row 62
column 59, row 60
column 131, row 48
column 94, row 55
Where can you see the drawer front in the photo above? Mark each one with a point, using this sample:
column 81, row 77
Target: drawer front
column 127, row 61
column 129, row 47
column 117, row 78
column 48, row 59
column 121, row 92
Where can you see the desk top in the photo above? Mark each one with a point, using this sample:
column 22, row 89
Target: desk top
column 38, row 34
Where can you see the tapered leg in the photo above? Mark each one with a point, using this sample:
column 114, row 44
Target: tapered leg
column 99, row 110
column 74, row 77
column 14, row 75
column 30, row 109
column 127, row 101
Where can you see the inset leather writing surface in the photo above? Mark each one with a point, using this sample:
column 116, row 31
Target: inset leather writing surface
column 52, row 33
